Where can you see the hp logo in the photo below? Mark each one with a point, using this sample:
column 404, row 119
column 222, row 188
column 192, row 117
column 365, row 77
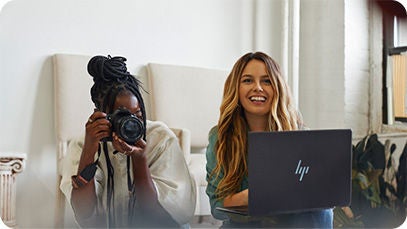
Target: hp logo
column 301, row 170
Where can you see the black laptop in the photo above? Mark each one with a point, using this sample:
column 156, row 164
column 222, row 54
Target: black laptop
column 294, row 171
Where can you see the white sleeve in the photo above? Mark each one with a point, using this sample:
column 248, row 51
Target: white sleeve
column 174, row 184
column 70, row 168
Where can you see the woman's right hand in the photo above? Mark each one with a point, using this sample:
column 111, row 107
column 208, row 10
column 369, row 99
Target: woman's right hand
column 97, row 128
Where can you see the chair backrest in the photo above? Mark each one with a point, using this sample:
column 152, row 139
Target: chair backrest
column 186, row 97
column 72, row 107
column 73, row 104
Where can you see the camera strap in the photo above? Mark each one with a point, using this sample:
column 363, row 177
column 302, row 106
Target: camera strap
column 89, row 171
column 129, row 183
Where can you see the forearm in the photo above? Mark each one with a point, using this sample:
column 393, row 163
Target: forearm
column 237, row 199
column 83, row 194
column 88, row 155
column 84, row 200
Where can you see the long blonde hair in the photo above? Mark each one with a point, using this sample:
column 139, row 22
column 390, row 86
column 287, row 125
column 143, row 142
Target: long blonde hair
column 231, row 145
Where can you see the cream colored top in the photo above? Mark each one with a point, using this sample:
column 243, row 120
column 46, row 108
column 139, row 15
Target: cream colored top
column 173, row 182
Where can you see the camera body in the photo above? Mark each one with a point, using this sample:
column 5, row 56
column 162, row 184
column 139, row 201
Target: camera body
column 126, row 125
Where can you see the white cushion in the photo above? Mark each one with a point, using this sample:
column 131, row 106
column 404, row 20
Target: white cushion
column 197, row 167
column 186, row 97
column 73, row 104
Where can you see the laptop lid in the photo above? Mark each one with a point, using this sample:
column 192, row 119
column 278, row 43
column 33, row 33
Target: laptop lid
column 293, row 171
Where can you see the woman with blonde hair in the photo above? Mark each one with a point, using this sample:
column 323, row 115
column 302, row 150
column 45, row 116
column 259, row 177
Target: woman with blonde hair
column 255, row 98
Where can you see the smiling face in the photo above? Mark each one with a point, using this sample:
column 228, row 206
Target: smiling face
column 255, row 90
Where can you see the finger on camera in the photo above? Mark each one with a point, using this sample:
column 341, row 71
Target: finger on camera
column 99, row 134
column 103, row 132
column 102, row 121
column 102, row 135
column 118, row 139
column 115, row 137
column 118, row 146
column 102, row 127
column 141, row 143
column 97, row 127
column 98, row 115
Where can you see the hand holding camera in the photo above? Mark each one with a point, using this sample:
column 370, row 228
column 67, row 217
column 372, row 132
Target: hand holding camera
column 136, row 150
column 97, row 128
column 121, row 127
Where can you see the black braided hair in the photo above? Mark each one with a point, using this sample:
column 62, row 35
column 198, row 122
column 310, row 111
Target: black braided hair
column 111, row 78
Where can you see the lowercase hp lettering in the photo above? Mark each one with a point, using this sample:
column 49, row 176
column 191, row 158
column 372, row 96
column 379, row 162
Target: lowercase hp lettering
column 301, row 170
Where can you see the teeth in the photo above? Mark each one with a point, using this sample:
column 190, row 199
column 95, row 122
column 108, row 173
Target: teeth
column 258, row 98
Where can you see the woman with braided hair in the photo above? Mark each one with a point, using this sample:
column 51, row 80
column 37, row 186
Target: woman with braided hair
column 126, row 171
column 255, row 98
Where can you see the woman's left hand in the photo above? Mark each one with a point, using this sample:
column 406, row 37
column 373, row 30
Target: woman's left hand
column 136, row 150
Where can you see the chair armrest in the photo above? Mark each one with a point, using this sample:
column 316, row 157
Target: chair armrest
column 184, row 139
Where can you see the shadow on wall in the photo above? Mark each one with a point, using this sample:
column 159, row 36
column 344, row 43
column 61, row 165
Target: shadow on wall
column 36, row 185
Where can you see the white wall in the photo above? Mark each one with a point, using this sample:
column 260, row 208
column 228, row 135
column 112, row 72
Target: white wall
column 204, row 33
column 268, row 23
column 321, row 70
column 357, row 74
column 333, row 63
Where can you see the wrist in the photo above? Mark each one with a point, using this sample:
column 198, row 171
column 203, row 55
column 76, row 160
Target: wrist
column 78, row 181
column 89, row 151
column 91, row 145
column 139, row 159
column 87, row 157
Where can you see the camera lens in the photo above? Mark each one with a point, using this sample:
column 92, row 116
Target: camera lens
column 131, row 129
column 126, row 125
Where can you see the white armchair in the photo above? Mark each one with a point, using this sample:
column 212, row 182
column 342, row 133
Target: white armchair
column 188, row 97
column 73, row 105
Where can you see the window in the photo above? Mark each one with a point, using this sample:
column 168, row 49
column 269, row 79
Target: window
column 398, row 67
column 394, row 62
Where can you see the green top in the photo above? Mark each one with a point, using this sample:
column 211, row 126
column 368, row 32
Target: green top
column 214, row 181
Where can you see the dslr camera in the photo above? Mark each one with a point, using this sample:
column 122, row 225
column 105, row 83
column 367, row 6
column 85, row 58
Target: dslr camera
column 126, row 125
